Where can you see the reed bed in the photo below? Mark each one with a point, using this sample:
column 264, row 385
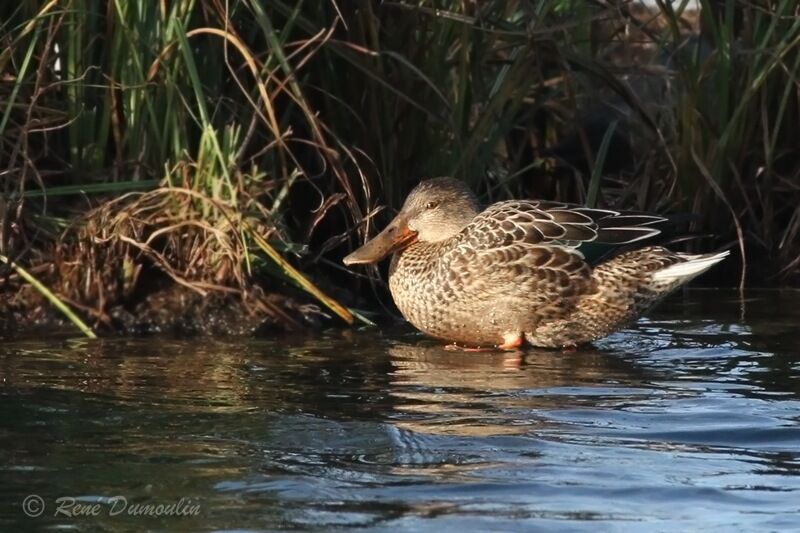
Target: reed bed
column 240, row 148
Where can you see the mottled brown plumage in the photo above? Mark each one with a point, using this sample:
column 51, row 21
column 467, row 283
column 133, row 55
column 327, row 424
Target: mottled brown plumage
column 513, row 273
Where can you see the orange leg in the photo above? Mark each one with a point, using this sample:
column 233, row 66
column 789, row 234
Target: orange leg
column 511, row 341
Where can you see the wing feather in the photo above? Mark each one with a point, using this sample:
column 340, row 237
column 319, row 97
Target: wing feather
column 536, row 222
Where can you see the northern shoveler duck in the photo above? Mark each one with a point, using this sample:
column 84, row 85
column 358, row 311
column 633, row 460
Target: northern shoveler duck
column 514, row 273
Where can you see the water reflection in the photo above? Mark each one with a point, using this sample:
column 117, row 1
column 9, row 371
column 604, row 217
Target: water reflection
column 501, row 393
column 688, row 421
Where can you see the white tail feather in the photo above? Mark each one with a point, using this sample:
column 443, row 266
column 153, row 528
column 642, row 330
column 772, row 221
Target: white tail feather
column 692, row 267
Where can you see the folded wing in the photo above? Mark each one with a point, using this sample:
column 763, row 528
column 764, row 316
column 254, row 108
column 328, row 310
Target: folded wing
column 524, row 253
column 537, row 222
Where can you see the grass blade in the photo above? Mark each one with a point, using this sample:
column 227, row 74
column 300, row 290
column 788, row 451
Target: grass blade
column 52, row 298
column 302, row 281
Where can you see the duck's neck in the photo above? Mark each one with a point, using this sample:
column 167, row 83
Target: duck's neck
column 464, row 219
column 419, row 258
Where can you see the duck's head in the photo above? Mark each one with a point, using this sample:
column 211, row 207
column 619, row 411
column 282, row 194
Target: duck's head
column 436, row 210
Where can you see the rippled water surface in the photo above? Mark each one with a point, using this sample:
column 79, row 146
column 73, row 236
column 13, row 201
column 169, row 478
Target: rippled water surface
column 687, row 422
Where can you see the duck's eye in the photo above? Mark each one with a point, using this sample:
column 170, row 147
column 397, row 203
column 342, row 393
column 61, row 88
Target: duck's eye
column 431, row 205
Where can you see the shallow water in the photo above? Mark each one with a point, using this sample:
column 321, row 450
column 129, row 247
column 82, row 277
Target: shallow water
column 689, row 421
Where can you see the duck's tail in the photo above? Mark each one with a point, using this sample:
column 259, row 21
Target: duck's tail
column 625, row 287
column 640, row 278
column 686, row 269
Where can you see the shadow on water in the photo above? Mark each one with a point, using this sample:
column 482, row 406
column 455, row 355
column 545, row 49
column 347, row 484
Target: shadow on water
column 689, row 420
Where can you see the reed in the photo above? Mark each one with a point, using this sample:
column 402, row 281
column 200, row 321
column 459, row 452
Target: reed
column 173, row 137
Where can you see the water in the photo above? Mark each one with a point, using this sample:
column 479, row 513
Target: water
column 689, row 421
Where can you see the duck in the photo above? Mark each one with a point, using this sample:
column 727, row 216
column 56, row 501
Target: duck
column 517, row 272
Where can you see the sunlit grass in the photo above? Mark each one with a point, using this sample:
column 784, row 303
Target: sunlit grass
column 54, row 300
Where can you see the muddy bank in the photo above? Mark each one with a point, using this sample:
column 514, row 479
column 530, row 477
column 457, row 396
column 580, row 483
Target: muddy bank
column 174, row 310
column 167, row 261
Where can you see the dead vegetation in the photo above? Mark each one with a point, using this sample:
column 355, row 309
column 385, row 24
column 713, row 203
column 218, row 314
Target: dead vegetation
column 205, row 153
